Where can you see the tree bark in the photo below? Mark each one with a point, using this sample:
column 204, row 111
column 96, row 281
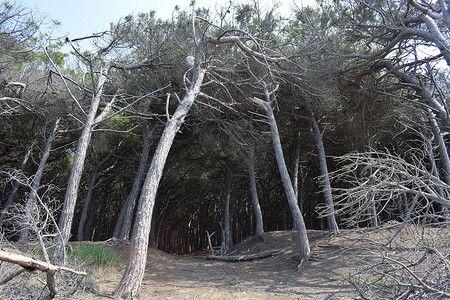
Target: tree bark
column 285, row 178
column 294, row 167
column 259, row 230
column 442, row 147
column 227, row 239
column 325, row 179
column 70, row 199
column 301, row 192
column 130, row 283
column 295, row 163
column 31, row 199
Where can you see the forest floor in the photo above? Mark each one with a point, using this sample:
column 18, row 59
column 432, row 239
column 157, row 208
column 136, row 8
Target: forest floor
column 359, row 255
column 196, row 277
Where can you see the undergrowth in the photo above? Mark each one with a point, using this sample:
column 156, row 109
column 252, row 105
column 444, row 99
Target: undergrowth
column 98, row 261
column 98, row 256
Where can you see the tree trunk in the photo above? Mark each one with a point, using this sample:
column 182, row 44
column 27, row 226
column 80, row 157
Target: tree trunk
column 442, row 147
column 295, row 163
column 332, row 224
column 303, row 176
column 294, row 166
column 152, row 238
column 89, row 196
column 16, row 184
column 227, row 239
column 123, row 231
column 87, row 202
column 31, row 200
column 70, row 199
column 130, row 283
column 259, row 230
column 285, row 178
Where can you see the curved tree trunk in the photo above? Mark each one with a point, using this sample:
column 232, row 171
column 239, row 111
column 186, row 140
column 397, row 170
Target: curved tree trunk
column 130, row 283
column 31, row 200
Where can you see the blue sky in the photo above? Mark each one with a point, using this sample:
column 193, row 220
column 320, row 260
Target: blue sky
column 83, row 17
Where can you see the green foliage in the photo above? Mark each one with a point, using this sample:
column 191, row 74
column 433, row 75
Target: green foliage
column 95, row 255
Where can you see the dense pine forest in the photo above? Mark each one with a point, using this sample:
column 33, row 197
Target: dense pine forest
column 198, row 131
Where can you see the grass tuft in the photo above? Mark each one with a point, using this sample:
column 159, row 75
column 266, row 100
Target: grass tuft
column 95, row 255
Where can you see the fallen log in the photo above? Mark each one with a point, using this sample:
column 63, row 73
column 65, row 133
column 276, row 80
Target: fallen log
column 247, row 257
column 31, row 264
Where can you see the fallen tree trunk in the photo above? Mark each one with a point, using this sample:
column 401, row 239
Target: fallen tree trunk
column 247, row 257
column 31, row 264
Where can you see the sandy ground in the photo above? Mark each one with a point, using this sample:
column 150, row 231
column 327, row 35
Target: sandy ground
column 196, row 277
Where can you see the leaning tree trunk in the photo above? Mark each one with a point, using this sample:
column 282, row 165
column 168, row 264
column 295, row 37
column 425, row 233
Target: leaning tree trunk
column 259, row 230
column 285, row 178
column 70, row 199
column 89, row 196
column 227, row 238
column 123, row 226
column 31, row 199
column 130, row 283
column 332, row 224
column 16, row 184
column 442, row 147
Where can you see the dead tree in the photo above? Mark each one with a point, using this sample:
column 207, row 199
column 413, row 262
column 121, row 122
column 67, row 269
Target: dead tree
column 247, row 257
column 392, row 177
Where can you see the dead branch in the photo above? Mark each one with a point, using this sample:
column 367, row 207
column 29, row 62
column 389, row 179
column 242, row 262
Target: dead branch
column 22, row 87
column 31, row 264
column 211, row 249
column 12, row 275
column 247, row 257
column 392, row 177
